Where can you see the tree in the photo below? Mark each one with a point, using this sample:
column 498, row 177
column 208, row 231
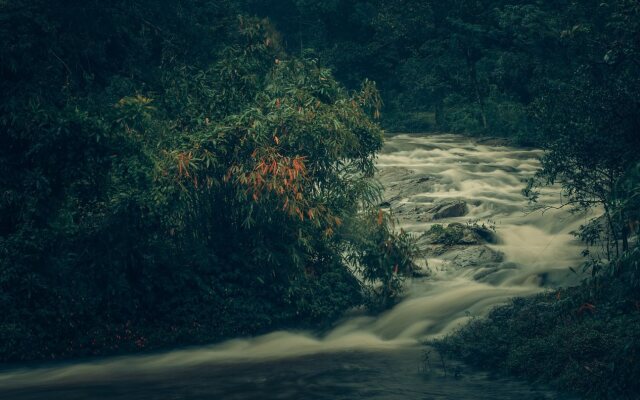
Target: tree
column 182, row 179
column 590, row 123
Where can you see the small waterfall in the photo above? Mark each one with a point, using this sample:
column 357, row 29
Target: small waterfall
column 536, row 250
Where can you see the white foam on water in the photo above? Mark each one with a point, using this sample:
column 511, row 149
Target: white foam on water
column 490, row 179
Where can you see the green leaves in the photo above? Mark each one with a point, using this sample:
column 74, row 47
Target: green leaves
column 180, row 180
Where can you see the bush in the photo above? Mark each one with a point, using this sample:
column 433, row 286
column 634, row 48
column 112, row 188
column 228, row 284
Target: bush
column 584, row 339
column 178, row 182
column 409, row 122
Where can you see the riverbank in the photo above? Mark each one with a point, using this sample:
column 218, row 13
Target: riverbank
column 584, row 339
column 444, row 180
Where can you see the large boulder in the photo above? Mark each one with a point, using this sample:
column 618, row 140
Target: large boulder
column 449, row 209
column 404, row 183
column 474, row 256
column 459, row 234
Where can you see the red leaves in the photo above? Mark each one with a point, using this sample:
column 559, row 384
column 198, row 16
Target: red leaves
column 380, row 217
column 275, row 174
column 183, row 163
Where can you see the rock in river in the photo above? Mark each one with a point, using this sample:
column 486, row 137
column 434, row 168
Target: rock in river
column 450, row 209
column 474, row 256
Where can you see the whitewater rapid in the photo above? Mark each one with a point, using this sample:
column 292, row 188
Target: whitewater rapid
column 418, row 171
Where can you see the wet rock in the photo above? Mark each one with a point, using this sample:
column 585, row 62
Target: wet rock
column 469, row 237
column 450, row 209
column 390, row 175
column 434, row 250
column 405, row 183
column 413, row 211
column 485, row 235
column 459, row 234
column 420, row 272
column 474, row 256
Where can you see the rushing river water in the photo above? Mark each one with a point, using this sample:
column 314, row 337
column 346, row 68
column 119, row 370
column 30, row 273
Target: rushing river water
column 365, row 357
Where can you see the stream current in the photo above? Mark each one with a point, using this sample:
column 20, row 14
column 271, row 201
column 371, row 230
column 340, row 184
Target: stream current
column 372, row 357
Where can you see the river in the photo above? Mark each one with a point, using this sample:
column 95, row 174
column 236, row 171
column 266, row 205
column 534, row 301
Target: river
column 366, row 357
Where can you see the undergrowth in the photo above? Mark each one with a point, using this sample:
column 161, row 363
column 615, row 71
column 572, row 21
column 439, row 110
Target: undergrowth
column 584, row 339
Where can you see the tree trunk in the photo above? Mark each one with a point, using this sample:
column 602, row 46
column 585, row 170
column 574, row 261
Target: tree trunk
column 439, row 111
column 473, row 76
column 625, row 237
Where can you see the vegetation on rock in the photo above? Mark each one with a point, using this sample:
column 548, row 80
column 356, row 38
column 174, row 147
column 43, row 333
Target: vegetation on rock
column 584, row 339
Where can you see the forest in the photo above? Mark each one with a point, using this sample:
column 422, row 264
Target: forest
column 179, row 173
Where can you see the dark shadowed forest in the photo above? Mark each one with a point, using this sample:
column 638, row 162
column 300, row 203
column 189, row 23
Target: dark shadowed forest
column 180, row 173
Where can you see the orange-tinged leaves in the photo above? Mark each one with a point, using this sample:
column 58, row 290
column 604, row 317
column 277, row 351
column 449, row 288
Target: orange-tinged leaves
column 183, row 163
column 278, row 175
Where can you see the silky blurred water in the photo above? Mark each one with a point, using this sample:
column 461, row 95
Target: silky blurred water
column 366, row 357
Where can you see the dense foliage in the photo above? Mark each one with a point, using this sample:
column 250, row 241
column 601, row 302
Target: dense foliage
column 585, row 113
column 584, row 339
column 465, row 66
column 170, row 175
column 590, row 126
column 563, row 75
column 181, row 172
